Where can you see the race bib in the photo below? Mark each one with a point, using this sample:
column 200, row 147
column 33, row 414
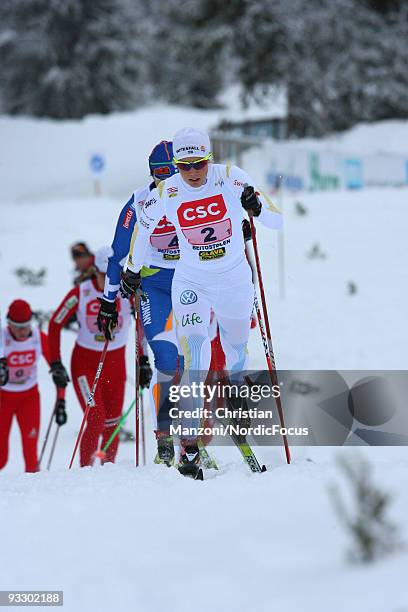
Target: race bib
column 92, row 309
column 164, row 236
column 20, row 365
column 202, row 221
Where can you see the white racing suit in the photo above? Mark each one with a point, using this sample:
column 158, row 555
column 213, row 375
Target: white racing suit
column 213, row 273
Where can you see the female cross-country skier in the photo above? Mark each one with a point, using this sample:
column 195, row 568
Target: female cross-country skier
column 23, row 346
column 157, row 273
column 83, row 300
column 205, row 203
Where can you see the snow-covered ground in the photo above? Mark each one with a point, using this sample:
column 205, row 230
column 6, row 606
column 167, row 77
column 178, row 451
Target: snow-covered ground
column 117, row 538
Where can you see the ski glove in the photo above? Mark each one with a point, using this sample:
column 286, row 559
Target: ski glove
column 4, row 373
column 145, row 372
column 250, row 201
column 60, row 413
column 59, row 374
column 107, row 318
column 129, row 283
column 246, row 230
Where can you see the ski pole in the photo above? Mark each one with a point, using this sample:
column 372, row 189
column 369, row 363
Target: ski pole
column 142, row 426
column 53, row 447
column 90, row 400
column 137, row 373
column 118, row 427
column 60, row 395
column 266, row 335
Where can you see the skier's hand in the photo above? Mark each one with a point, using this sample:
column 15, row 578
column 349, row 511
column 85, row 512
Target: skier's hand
column 145, row 372
column 4, row 373
column 59, row 375
column 107, row 318
column 60, row 413
column 129, row 283
column 250, row 201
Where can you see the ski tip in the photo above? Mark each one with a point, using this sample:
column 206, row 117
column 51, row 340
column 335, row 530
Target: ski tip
column 263, row 469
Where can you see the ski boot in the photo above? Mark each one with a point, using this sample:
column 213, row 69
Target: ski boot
column 240, row 407
column 165, row 450
column 189, row 462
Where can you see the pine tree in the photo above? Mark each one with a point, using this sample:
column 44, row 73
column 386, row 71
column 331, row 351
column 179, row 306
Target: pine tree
column 68, row 59
column 340, row 61
column 372, row 534
column 190, row 55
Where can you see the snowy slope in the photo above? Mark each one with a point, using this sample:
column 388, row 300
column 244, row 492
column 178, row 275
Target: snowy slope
column 119, row 539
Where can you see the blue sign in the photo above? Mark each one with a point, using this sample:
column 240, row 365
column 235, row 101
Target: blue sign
column 353, row 173
column 288, row 181
column 97, row 163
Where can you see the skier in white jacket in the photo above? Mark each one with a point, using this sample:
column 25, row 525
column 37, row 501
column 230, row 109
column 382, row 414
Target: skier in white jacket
column 206, row 203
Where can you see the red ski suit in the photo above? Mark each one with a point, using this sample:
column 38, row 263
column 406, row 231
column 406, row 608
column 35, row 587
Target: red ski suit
column 21, row 397
column 106, row 409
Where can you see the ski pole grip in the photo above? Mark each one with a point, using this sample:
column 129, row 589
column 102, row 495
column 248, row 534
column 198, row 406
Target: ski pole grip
column 246, row 186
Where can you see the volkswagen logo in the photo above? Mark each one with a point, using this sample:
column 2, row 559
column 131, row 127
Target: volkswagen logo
column 188, row 297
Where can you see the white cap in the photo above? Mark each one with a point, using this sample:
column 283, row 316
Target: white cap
column 190, row 142
column 101, row 258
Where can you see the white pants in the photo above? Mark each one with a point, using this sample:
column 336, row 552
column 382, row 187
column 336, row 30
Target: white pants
column 230, row 295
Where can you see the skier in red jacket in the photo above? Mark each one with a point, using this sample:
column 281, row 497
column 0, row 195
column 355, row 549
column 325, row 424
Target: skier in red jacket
column 106, row 409
column 22, row 346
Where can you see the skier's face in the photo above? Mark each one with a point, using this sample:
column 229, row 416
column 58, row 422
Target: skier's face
column 83, row 263
column 195, row 177
column 20, row 333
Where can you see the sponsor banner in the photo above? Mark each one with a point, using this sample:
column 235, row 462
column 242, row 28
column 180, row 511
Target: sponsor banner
column 353, row 173
column 297, row 169
column 384, row 170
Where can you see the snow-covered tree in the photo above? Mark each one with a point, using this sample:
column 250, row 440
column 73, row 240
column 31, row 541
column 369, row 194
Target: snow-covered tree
column 67, row 59
column 189, row 60
column 340, row 60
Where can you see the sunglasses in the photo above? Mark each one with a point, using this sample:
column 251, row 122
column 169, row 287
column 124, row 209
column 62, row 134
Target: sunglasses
column 25, row 325
column 197, row 165
column 79, row 254
column 161, row 172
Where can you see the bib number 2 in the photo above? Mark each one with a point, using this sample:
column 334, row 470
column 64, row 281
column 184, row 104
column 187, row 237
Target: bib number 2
column 203, row 221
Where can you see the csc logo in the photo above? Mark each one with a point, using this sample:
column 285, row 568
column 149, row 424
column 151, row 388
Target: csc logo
column 26, row 358
column 92, row 308
column 202, row 211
